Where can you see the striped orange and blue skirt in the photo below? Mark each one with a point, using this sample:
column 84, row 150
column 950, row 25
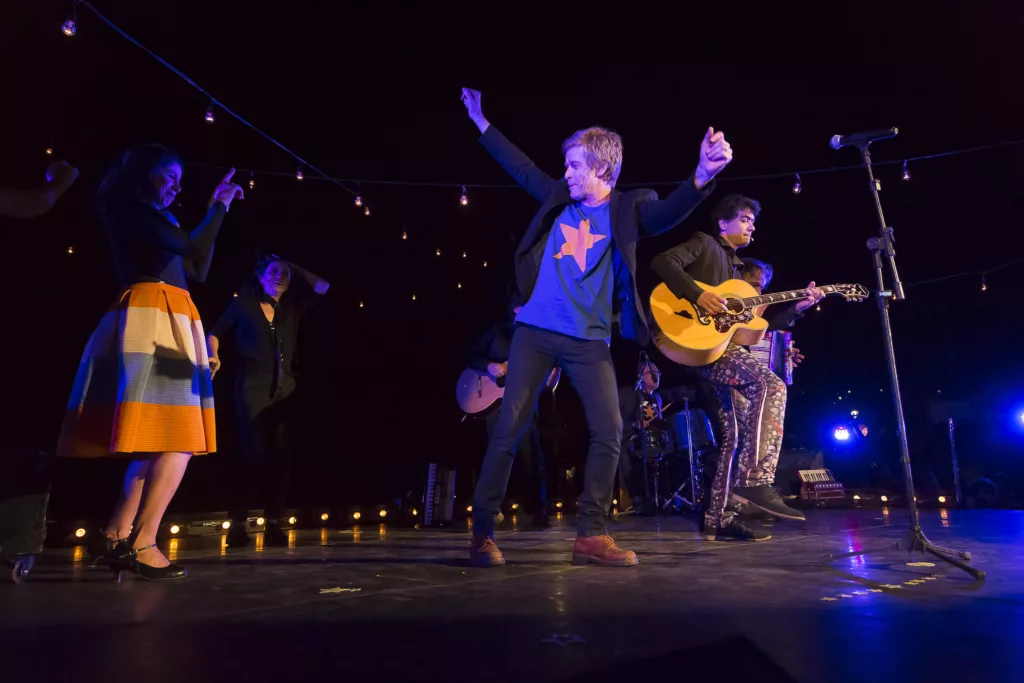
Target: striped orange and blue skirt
column 143, row 386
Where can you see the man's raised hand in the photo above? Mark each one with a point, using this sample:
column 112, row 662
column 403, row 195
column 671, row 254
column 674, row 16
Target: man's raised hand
column 715, row 155
column 471, row 98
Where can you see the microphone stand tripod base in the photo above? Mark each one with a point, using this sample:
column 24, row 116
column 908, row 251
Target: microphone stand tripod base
column 914, row 541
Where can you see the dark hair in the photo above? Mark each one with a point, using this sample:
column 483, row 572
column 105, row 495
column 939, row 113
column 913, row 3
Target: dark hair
column 730, row 207
column 762, row 270
column 128, row 177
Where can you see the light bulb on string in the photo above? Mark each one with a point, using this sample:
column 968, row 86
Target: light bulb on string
column 49, row 151
column 69, row 27
column 984, row 286
column 298, row 174
column 71, row 250
column 414, row 297
column 209, row 113
column 405, row 235
column 485, row 264
column 359, row 200
column 463, row 199
column 366, row 211
column 906, row 173
column 437, row 252
column 252, row 180
column 464, row 254
column 797, row 186
column 361, row 305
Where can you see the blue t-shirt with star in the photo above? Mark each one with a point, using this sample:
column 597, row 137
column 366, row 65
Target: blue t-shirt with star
column 574, row 289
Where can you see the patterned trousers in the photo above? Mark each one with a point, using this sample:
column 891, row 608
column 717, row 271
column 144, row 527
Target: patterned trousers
column 758, row 416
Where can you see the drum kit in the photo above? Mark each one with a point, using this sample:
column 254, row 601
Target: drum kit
column 673, row 446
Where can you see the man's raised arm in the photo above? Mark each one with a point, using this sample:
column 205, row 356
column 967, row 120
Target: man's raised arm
column 535, row 181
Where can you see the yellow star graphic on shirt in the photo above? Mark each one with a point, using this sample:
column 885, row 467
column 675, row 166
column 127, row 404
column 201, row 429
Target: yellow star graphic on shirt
column 577, row 242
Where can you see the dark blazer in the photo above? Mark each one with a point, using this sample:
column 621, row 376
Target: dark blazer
column 634, row 214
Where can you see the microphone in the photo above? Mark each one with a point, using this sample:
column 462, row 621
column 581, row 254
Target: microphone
column 864, row 138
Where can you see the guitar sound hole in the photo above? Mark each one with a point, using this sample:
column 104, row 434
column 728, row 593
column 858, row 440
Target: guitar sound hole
column 500, row 382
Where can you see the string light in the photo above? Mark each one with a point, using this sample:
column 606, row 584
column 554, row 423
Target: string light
column 463, row 254
column 359, row 200
column 485, row 264
column 414, row 297
column 463, row 199
column 252, row 181
column 437, row 252
column 361, row 304
column 69, row 28
column 366, row 211
column 236, row 295
column 209, row 112
column 906, row 173
column 71, row 250
column 984, row 285
column 298, row 174
column 460, row 285
column 49, row 151
column 797, row 187
column 405, row 235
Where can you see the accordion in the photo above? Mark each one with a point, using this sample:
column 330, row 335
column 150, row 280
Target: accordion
column 819, row 485
column 773, row 352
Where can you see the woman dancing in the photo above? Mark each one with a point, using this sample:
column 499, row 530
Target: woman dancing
column 143, row 388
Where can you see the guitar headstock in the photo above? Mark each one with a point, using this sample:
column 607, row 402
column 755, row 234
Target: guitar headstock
column 851, row 292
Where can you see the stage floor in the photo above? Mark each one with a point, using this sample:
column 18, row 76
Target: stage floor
column 410, row 608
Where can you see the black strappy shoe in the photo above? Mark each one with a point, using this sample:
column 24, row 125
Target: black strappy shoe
column 103, row 550
column 127, row 559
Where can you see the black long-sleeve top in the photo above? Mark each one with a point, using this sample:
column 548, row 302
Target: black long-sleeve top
column 493, row 346
column 267, row 366
column 712, row 261
column 148, row 245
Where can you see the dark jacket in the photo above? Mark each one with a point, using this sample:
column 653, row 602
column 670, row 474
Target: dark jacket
column 149, row 246
column 266, row 365
column 710, row 260
column 634, row 214
column 493, row 346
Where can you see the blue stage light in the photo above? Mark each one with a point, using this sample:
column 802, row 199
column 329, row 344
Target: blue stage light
column 841, row 434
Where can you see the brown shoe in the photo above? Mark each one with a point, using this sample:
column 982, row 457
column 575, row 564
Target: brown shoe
column 484, row 553
column 603, row 551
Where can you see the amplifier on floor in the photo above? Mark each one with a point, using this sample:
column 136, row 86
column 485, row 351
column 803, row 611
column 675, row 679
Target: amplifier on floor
column 819, row 485
column 439, row 496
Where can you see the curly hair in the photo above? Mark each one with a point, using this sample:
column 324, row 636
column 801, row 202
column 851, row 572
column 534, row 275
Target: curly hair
column 128, row 177
column 730, row 207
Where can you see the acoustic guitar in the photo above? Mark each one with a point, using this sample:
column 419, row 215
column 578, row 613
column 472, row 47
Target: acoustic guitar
column 689, row 335
column 477, row 392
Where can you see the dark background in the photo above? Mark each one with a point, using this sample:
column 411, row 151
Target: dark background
column 373, row 94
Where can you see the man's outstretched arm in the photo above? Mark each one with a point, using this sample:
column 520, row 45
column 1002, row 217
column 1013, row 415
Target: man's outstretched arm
column 535, row 181
column 659, row 215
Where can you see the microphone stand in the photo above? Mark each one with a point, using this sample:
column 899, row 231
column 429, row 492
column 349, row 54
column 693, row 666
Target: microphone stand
column 882, row 246
column 641, row 430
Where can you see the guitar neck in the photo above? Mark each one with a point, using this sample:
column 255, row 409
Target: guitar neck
column 782, row 297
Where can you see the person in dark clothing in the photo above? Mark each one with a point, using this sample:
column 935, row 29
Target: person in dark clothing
column 263, row 321
column 575, row 266
column 490, row 355
column 712, row 261
column 143, row 388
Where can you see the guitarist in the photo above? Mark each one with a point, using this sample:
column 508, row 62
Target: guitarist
column 576, row 268
column 489, row 355
column 713, row 260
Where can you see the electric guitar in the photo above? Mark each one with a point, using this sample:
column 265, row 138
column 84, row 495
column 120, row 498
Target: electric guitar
column 477, row 392
column 689, row 335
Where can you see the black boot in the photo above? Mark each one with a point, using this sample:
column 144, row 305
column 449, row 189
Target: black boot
column 767, row 499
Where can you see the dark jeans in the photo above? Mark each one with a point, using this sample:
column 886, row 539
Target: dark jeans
column 588, row 365
column 534, row 468
column 263, row 465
